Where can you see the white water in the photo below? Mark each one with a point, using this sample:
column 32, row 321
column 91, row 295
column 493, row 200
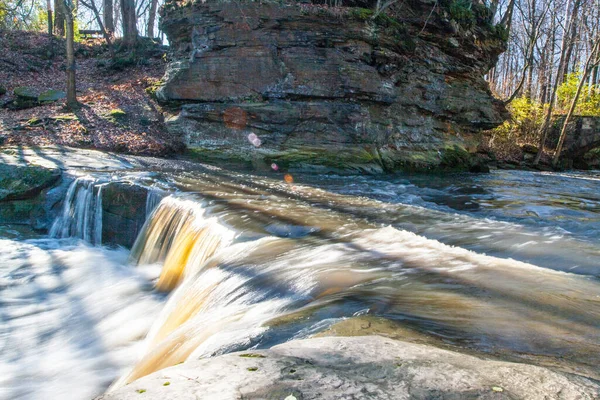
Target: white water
column 72, row 318
column 81, row 215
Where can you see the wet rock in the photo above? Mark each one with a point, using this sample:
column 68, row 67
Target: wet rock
column 23, row 194
column 356, row 367
column 123, row 213
column 343, row 92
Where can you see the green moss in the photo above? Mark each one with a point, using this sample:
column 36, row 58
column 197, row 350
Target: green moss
column 219, row 156
column 455, row 157
column 461, row 11
column 123, row 62
column 116, row 113
column 20, row 182
column 252, row 369
column 2, row 90
column 153, row 86
column 252, row 355
column 166, row 383
column 140, row 391
column 26, row 93
column 500, row 32
column 64, row 117
column 35, row 121
column 339, row 160
column 361, row 14
column 51, row 95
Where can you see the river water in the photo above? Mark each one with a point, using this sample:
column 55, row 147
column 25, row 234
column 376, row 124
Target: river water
column 504, row 265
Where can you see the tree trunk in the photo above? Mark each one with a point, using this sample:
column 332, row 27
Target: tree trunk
column 49, row 8
column 557, row 81
column 130, row 33
column 68, row 12
column 108, row 16
column 59, row 18
column 151, row 18
column 568, row 40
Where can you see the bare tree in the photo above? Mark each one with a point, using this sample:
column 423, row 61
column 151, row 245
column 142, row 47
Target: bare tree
column 108, row 16
column 107, row 36
column 548, row 117
column 59, row 18
column 130, row 32
column 151, row 18
column 69, row 8
column 49, row 10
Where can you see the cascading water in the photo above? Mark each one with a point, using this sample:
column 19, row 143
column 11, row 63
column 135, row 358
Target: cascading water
column 179, row 235
column 344, row 266
column 81, row 216
column 252, row 262
column 153, row 199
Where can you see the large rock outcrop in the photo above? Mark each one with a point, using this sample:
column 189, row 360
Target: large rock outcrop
column 299, row 84
column 370, row 367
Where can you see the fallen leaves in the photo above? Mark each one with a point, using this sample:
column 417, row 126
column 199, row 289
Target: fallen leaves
column 139, row 130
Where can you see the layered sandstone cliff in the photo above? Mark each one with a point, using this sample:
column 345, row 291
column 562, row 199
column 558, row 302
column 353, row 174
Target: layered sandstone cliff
column 302, row 84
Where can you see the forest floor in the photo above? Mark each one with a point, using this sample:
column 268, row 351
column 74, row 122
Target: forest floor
column 116, row 112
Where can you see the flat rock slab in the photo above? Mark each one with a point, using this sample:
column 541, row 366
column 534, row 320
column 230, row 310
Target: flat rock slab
column 369, row 367
column 65, row 158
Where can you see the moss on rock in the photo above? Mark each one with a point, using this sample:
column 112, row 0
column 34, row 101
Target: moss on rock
column 23, row 182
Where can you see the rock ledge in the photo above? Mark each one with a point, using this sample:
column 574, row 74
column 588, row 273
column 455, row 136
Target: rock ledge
column 354, row 368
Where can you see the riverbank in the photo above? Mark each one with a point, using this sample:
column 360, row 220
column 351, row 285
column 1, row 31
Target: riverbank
column 116, row 113
column 119, row 113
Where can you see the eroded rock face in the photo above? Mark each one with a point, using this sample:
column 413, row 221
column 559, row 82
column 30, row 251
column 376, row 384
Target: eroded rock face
column 335, row 87
column 368, row 367
column 123, row 213
column 26, row 195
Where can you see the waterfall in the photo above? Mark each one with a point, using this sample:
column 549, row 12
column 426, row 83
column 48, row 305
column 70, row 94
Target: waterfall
column 153, row 200
column 81, row 216
column 230, row 301
column 182, row 237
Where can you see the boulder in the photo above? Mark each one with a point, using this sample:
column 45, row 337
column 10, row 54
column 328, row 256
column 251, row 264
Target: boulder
column 25, row 97
column 22, row 199
column 51, row 95
column 370, row 367
column 24, row 182
column 26, row 93
column 341, row 89
column 529, row 149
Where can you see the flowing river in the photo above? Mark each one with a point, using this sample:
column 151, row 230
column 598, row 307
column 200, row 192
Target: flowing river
column 504, row 265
